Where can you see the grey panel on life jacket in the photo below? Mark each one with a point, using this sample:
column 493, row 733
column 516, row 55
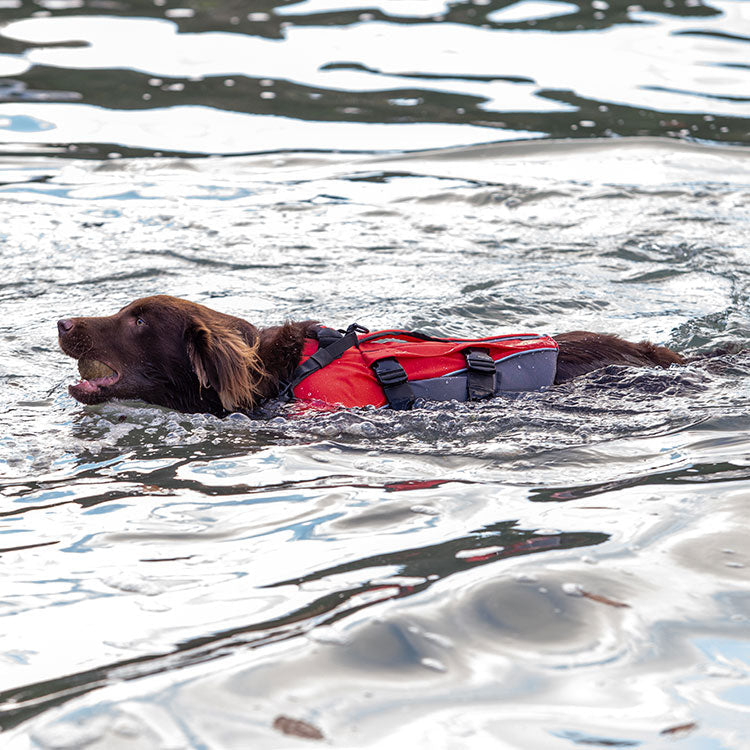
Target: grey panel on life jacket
column 447, row 388
column 527, row 371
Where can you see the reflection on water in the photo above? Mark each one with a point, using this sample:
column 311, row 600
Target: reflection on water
column 415, row 570
column 138, row 78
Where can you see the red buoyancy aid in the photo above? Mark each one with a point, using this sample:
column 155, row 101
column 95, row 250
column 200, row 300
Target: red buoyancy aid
column 398, row 368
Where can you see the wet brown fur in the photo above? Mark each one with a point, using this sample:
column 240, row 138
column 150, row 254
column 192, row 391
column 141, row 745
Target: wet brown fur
column 191, row 358
column 583, row 351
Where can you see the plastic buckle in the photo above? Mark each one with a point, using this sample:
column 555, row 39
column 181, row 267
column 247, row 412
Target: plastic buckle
column 480, row 361
column 389, row 372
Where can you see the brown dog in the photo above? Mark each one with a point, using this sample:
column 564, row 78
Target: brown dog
column 185, row 356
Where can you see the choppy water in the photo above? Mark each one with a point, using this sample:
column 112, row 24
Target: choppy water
column 545, row 570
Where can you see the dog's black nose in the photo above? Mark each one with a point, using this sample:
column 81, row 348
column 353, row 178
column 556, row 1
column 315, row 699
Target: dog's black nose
column 63, row 326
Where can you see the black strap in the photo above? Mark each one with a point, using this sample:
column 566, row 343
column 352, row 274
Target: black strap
column 395, row 383
column 480, row 373
column 324, row 356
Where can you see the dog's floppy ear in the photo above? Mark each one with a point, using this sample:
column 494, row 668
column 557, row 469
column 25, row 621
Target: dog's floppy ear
column 223, row 360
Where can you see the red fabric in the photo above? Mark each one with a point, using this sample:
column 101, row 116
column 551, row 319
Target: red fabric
column 349, row 381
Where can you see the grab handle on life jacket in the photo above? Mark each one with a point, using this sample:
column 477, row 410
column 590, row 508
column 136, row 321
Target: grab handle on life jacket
column 396, row 333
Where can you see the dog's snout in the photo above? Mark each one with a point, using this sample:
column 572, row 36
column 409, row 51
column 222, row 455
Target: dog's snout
column 64, row 326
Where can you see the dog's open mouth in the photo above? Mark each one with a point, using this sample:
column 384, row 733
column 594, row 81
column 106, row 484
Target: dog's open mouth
column 95, row 376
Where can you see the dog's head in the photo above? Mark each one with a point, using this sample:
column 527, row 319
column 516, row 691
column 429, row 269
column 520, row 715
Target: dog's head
column 166, row 351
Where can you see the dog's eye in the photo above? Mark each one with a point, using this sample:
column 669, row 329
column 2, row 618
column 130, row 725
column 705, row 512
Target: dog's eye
column 139, row 321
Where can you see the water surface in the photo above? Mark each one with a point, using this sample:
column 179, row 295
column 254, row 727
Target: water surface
column 546, row 570
column 98, row 78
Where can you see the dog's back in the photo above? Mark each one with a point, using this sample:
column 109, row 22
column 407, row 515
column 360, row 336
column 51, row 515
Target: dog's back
column 582, row 351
